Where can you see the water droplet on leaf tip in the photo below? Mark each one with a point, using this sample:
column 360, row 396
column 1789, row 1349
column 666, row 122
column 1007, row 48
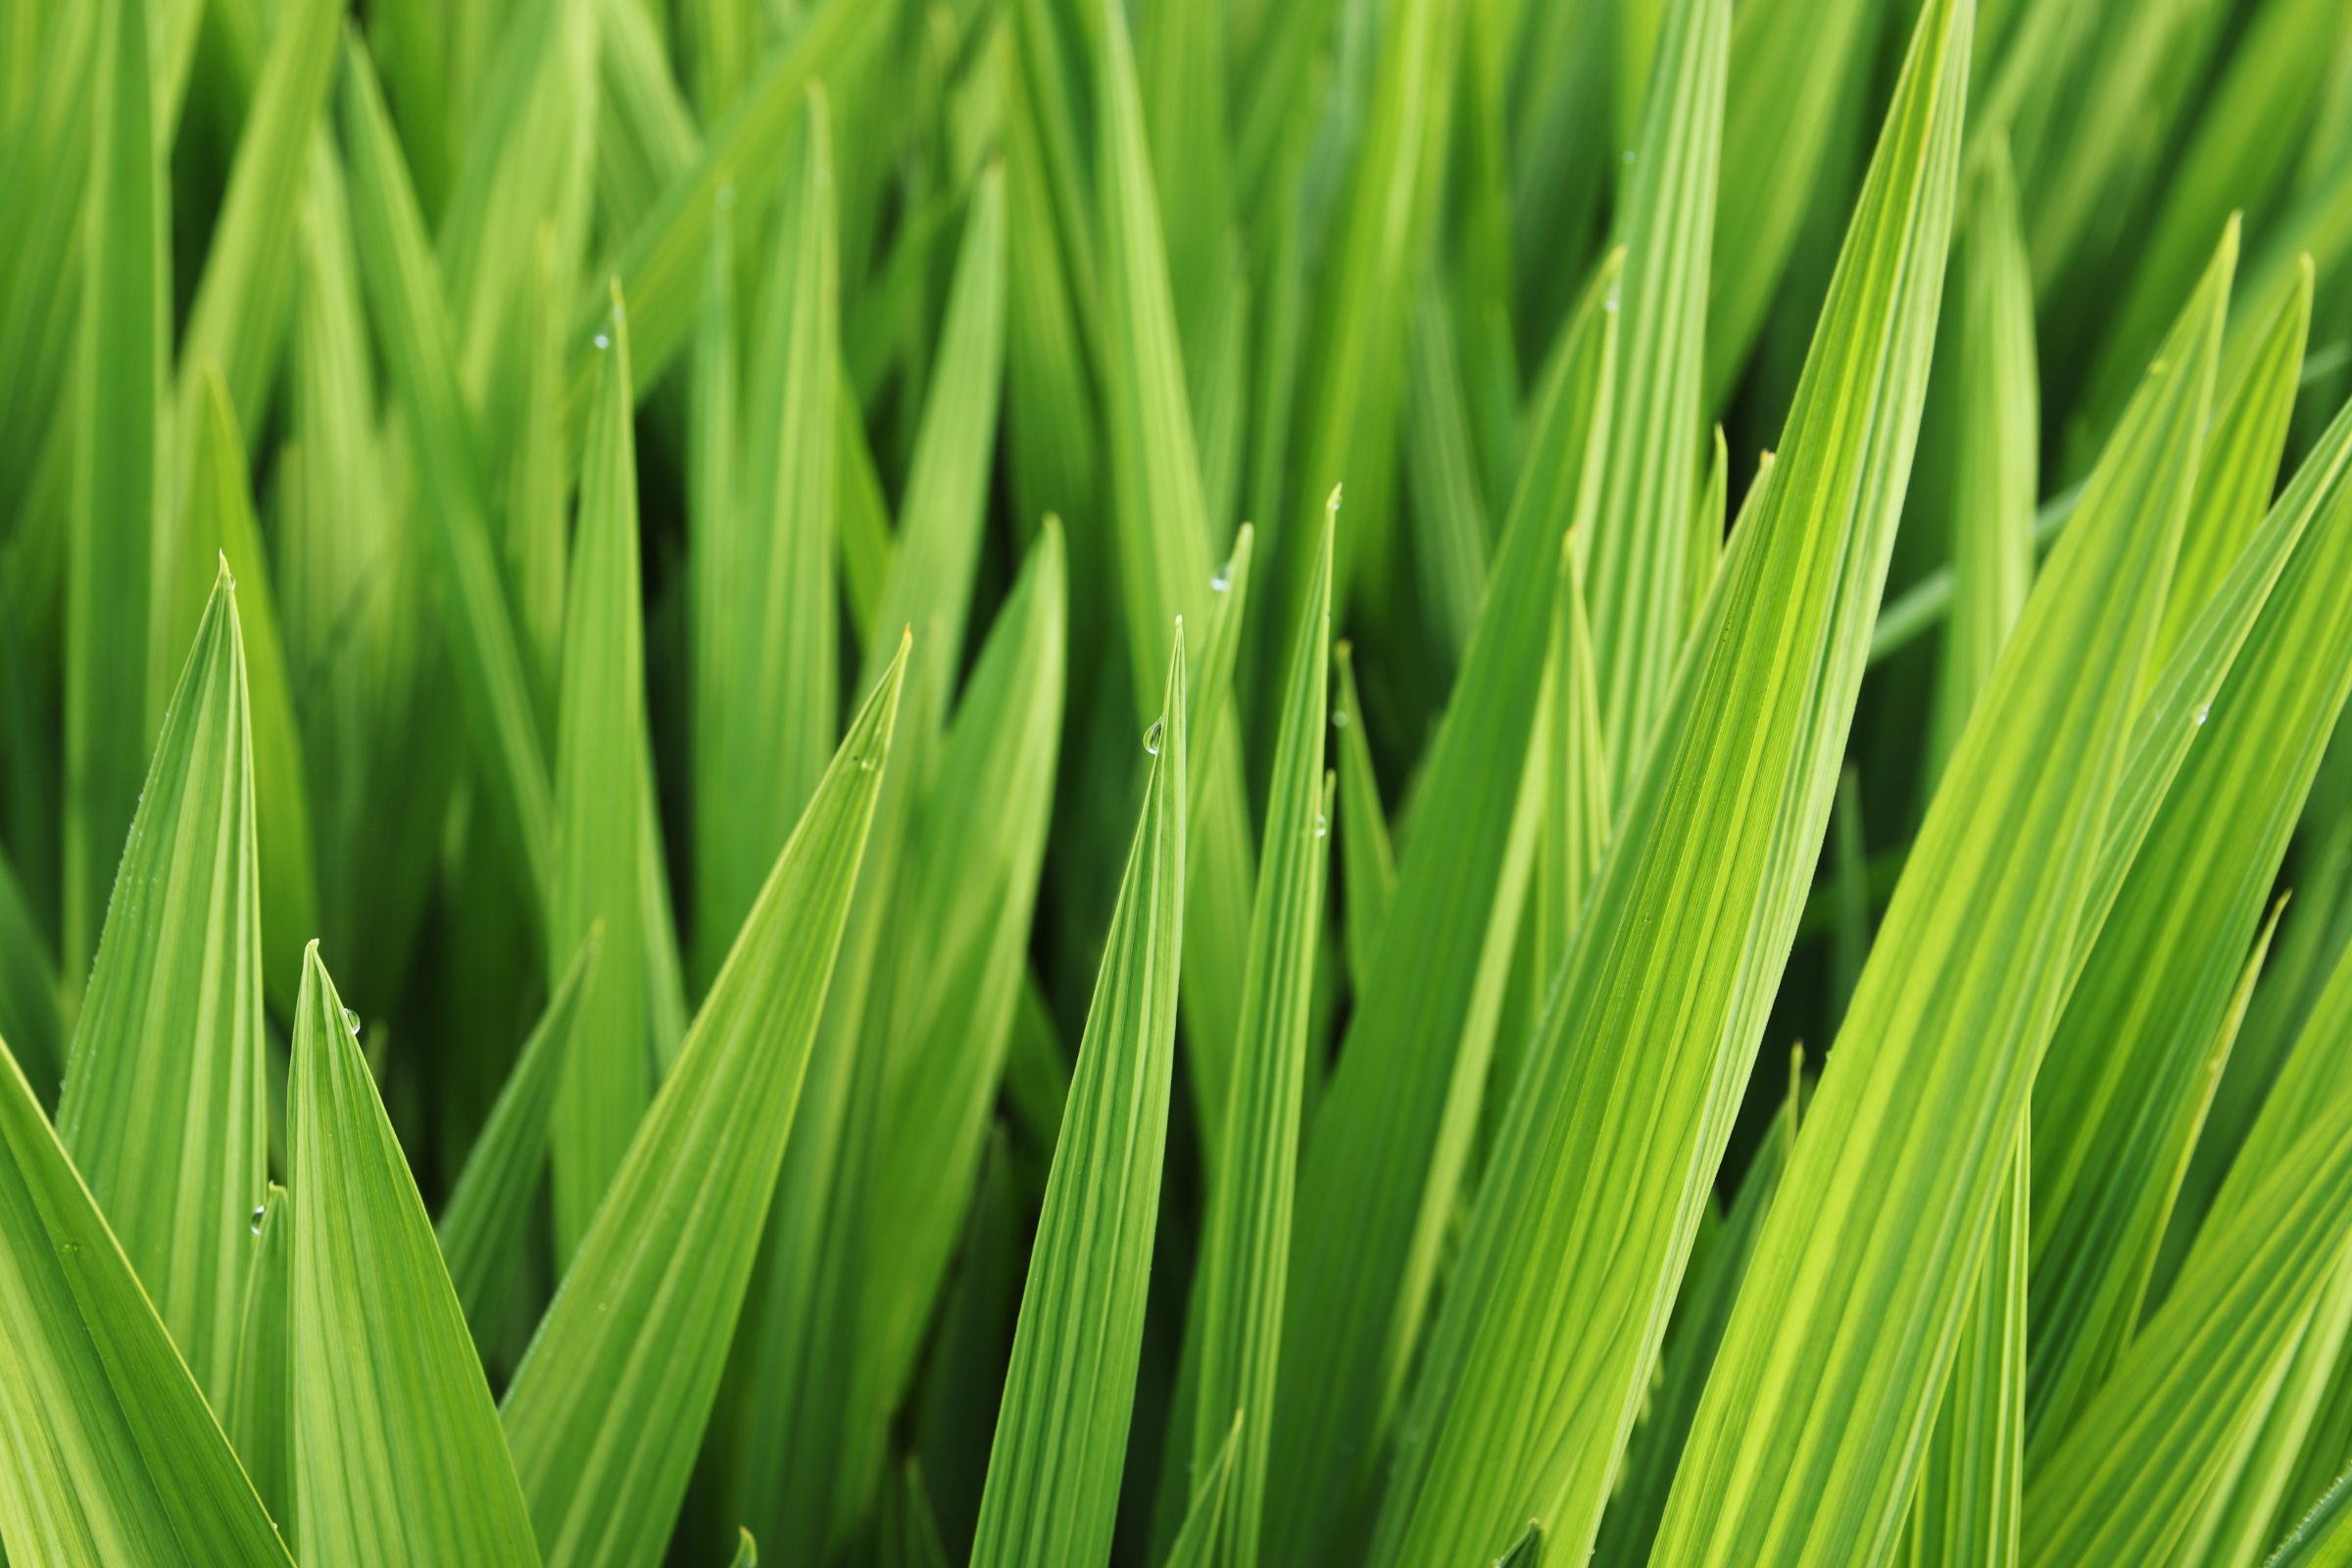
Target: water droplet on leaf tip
column 1151, row 737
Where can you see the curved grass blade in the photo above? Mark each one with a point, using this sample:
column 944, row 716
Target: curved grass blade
column 484, row 1226
column 113, row 1455
column 1554, row 1317
column 398, row 1457
column 765, row 686
column 258, row 1410
column 1380, row 1176
column 1953, row 1012
column 1637, row 567
column 1247, row 1252
column 599, row 778
column 119, row 445
column 2323, row 1538
column 1061, row 1433
column 163, row 1106
column 607, row 1406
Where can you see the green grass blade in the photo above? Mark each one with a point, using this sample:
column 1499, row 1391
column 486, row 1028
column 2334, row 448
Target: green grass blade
column 659, row 262
column 219, row 522
column 766, row 683
column 1248, row 1249
column 1996, row 422
column 2239, row 470
column 1657, row 1007
column 599, row 774
column 1637, row 556
column 1166, row 572
column 258, row 1410
column 1204, row 1525
column 112, row 1454
column 485, row 1225
column 1367, row 859
column 405, row 292
column 1062, row 1433
column 162, row 1104
column 120, row 435
column 1791, row 62
column 2131, row 1478
column 1972, row 1480
column 1451, row 536
column 607, row 1406
column 2124, row 1086
column 1575, row 822
column 398, row 1456
column 978, row 851
column 31, row 1021
column 2323, row 1537
column 1380, row 1175
column 2009, row 841
column 930, row 586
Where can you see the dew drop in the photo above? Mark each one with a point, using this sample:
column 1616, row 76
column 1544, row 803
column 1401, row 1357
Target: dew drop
column 1151, row 737
column 1220, row 582
column 1339, row 718
column 1609, row 302
column 2204, row 709
column 257, row 1211
column 1322, row 826
column 351, row 1021
column 1629, row 155
column 604, row 340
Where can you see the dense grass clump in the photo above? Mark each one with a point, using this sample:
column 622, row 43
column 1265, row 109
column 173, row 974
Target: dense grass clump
column 1197, row 783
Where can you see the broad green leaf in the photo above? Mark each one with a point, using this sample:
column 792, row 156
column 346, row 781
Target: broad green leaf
column 2128, row 1481
column 405, row 292
column 606, row 1408
column 1062, row 1433
column 1367, row 859
column 1791, row 60
column 601, row 739
column 766, row 694
column 1972, row 1481
column 259, row 1409
column 1657, row 1007
column 2124, row 1086
column 218, row 522
column 1973, row 951
column 398, row 1456
column 485, row 1225
column 112, row 1455
column 1995, row 428
column 1247, row 1248
column 120, row 435
column 162, row 1108
column 1381, row 1172
column 1636, row 554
